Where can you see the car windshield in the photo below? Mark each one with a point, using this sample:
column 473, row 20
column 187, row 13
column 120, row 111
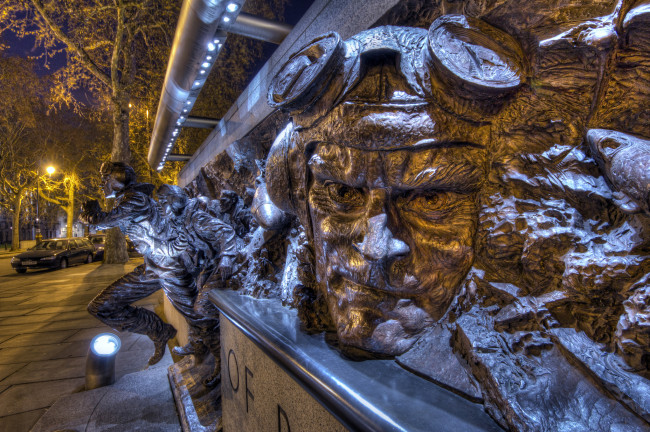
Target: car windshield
column 97, row 239
column 51, row 245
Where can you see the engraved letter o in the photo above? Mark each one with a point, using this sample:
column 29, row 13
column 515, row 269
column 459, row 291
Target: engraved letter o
column 231, row 353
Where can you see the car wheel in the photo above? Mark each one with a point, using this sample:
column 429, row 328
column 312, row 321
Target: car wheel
column 63, row 264
column 21, row 270
column 89, row 259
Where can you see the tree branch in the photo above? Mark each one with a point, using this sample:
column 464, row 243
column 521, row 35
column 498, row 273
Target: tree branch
column 117, row 50
column 48, row 199
column 98, row 44
column 76, row 49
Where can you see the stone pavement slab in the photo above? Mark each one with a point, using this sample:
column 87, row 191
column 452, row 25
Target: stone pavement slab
column 60, row 316
column 55, row 309
column 15, row 312
column 73, row 324
column 25, row 319
column 28, row 397
column 33, row 353
column 48, row 370
column 22, row 421
column 140, row 401
column 21, row 328
column 6, row 370
column 29, row 339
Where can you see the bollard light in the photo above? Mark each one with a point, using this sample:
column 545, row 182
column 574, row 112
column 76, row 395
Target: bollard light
column 100, row 362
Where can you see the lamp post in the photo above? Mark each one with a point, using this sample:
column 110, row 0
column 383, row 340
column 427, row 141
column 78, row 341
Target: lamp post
column 49, row 170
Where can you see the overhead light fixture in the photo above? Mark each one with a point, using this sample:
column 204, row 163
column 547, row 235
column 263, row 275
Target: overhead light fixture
column 211, row 46
column 188, row 103
column 232, row 7
column 202, row 71
column 208, row 58
column 206, row 65
column 226, row 19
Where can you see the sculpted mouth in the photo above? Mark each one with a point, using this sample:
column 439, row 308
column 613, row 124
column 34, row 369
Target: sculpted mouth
column 374, row 283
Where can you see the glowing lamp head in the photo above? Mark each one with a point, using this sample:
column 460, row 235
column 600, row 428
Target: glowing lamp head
column 50, row 170
column 232, row 7
column 105, row 344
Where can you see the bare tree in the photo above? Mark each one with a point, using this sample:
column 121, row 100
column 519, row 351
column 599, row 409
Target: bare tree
column 115, row 49
column 22, row 98
column 17, row 174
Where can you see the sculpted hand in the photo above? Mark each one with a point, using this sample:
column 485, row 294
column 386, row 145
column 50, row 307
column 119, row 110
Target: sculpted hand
column 225, row 267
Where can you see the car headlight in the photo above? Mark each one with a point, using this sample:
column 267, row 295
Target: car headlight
column 48, row 258
column 15, row 260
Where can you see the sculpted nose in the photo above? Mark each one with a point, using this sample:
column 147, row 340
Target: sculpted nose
column 378, row 243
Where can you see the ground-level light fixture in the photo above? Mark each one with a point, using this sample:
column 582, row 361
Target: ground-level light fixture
column 100, row 362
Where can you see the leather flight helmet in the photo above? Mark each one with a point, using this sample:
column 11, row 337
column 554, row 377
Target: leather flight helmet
column 175, row 196
column 122, row 172
column 463, row 65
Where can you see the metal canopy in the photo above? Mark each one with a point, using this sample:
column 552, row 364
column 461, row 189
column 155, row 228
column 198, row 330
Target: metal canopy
column 200, row 34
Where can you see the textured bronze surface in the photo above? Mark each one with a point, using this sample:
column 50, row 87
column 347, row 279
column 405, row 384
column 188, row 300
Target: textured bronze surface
column 476, row 197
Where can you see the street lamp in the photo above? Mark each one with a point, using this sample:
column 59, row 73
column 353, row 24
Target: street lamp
column 49, row 170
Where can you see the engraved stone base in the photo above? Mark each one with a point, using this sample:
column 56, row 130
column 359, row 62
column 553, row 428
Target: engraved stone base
column 199, row 407
column 259, row 396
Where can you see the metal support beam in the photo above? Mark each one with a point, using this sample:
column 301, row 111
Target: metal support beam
column 176, row 157
column 201, row 122
column 259, row 28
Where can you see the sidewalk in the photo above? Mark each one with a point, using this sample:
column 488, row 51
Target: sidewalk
column 45, row 332
column 9, row 253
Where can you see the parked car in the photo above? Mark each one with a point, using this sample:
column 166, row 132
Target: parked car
column 98, row 241
column 54, row 253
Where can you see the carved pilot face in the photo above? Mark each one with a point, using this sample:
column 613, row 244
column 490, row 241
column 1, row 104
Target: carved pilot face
column 393, row 229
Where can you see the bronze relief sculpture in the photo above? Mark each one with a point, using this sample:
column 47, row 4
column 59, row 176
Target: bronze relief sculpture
column 183, row 246
column 476, row 206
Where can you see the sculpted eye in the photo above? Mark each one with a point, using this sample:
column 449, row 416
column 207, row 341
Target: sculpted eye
column 345, row 196
column 432, row 204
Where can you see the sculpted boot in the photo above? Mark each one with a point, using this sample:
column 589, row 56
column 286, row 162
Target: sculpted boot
column 215, row 377
column 160, row 341
column 197, row 349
